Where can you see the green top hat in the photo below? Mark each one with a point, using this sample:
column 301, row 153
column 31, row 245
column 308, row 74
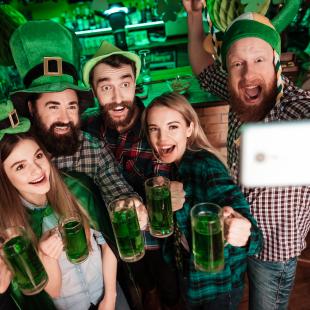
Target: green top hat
column 10, row 123
column 106, row 50
column 47, row 57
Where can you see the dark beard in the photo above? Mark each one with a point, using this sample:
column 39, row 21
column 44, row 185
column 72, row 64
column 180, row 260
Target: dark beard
column 253, row 113
column 57, row 145
column 109, row 122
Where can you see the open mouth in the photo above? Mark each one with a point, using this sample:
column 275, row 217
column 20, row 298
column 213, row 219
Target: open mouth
column 119, row 109
column 62, row 129
column 165, row 150
column 252, row 92
column 38, row 181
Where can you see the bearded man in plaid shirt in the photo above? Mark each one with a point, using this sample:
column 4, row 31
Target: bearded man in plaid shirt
column 249, row 78
column 112, row 73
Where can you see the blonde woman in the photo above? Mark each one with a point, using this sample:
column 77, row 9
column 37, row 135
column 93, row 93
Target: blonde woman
column 175, row 134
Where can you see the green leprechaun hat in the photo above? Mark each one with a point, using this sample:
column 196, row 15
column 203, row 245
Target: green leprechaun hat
column 47, row 57
column 10, row 123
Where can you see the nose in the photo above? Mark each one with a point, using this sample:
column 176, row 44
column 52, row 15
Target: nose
column 35, row 169
column 117, row 97
column 248, row 71
column 162, row 135
column 64, row 116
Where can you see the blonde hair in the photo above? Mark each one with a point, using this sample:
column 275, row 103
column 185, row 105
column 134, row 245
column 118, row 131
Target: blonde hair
column 174, row 101
column 12, row 211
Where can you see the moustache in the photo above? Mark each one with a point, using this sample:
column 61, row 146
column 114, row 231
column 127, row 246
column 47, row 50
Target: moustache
column 114, row 105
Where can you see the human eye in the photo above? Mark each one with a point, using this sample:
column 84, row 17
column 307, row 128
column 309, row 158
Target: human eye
column 152, row 129
column 53, row 107
column 19, row 167
column 40, row 155
column 259, row 59
column 173, row 127
column 125, row 85
column 73, row 107
column 105, row 88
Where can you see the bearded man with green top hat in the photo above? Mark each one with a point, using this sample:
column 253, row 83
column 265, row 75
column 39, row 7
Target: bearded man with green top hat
column 248, row 76
column 112, row 73
column 47, row 57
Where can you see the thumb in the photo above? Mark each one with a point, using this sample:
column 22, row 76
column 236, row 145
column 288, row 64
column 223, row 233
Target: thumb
column 228, row 212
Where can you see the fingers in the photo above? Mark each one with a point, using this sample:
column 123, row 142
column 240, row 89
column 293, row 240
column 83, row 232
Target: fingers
column 142, row 216
column 177, row 195
column 237, row 231
column 5, row 276
column 51, row 244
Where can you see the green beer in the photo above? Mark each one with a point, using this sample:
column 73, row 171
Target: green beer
column 160, row 211
column 208, row 246
column 127, row 234
column 29, row 272
column 75, row 240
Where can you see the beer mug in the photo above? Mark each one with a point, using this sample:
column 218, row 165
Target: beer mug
column 159, row 207
column 128, row 236
column 74, row 238
column 23, row 260
column 207, row 237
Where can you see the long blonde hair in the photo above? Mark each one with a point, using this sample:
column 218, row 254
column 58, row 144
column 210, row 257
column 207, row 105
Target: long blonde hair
column 174, row 101
column 12, row 211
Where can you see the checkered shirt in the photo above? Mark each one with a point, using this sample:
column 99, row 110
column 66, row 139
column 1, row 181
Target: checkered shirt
column 132, row 151
column 282, row 213
column 95, row 159
column 206, row 179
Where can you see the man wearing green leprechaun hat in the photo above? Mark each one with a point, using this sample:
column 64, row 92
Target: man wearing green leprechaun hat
column 249, row 78
column 112, row 74
column 47, row 56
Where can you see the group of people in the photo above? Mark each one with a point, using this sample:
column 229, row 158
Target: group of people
column 51, row 137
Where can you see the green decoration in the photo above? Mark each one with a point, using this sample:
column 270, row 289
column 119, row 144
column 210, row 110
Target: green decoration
column 10, row 19
column 169, row 9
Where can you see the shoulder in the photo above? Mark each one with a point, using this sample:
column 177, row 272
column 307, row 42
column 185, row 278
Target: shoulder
column 201, row 162
column 89, row 141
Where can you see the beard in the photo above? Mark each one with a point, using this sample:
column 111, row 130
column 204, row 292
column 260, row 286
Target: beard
column 115, row 123
column 248, row 112
column 57, row 144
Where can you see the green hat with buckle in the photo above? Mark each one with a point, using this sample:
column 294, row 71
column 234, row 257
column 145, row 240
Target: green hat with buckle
column 47, row 57
column 106, row 50
column 10, row 123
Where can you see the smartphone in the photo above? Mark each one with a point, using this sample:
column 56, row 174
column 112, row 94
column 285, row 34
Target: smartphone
column 275, row 154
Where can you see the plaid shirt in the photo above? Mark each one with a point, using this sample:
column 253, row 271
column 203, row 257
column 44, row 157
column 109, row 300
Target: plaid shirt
column 132, row 151
column 206, row 179
column 283, row 213
column 95, row 159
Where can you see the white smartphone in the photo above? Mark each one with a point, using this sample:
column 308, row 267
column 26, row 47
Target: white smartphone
column 275, row 154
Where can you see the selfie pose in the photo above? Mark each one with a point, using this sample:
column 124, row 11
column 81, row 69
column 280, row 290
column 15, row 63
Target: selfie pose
column 175, row 134
column 34, row 196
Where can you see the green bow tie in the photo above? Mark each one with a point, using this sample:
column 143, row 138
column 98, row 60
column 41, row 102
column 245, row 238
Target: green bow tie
column 36, row 218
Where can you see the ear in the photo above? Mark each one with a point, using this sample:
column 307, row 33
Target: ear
column 30, row 108
column 190, row 130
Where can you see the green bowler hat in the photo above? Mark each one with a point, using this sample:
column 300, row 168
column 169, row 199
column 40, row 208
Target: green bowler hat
column 10, row 123
column 106, row 50
column 47, row 57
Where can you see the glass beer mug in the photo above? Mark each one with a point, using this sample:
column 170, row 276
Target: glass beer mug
column 207, row 237
column 22, row 258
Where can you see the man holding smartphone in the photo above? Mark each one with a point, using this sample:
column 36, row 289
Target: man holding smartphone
column 249, row 78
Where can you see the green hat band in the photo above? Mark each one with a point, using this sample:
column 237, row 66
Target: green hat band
column 249, row 28
column 43, row 80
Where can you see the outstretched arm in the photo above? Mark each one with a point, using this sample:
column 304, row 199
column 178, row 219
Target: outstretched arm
column 199, row 58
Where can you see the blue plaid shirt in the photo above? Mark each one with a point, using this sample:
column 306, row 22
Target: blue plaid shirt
column 206, row 179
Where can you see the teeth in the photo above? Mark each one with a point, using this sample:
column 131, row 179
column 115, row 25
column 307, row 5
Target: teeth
column 38, row 180
column 119, row 109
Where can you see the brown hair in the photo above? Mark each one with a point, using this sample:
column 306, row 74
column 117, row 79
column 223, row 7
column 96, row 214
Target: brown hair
column 12, row 212
column 172, row 100
column 115, row 61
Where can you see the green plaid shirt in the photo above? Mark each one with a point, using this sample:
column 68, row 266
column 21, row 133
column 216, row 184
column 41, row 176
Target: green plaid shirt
column 206, row 179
